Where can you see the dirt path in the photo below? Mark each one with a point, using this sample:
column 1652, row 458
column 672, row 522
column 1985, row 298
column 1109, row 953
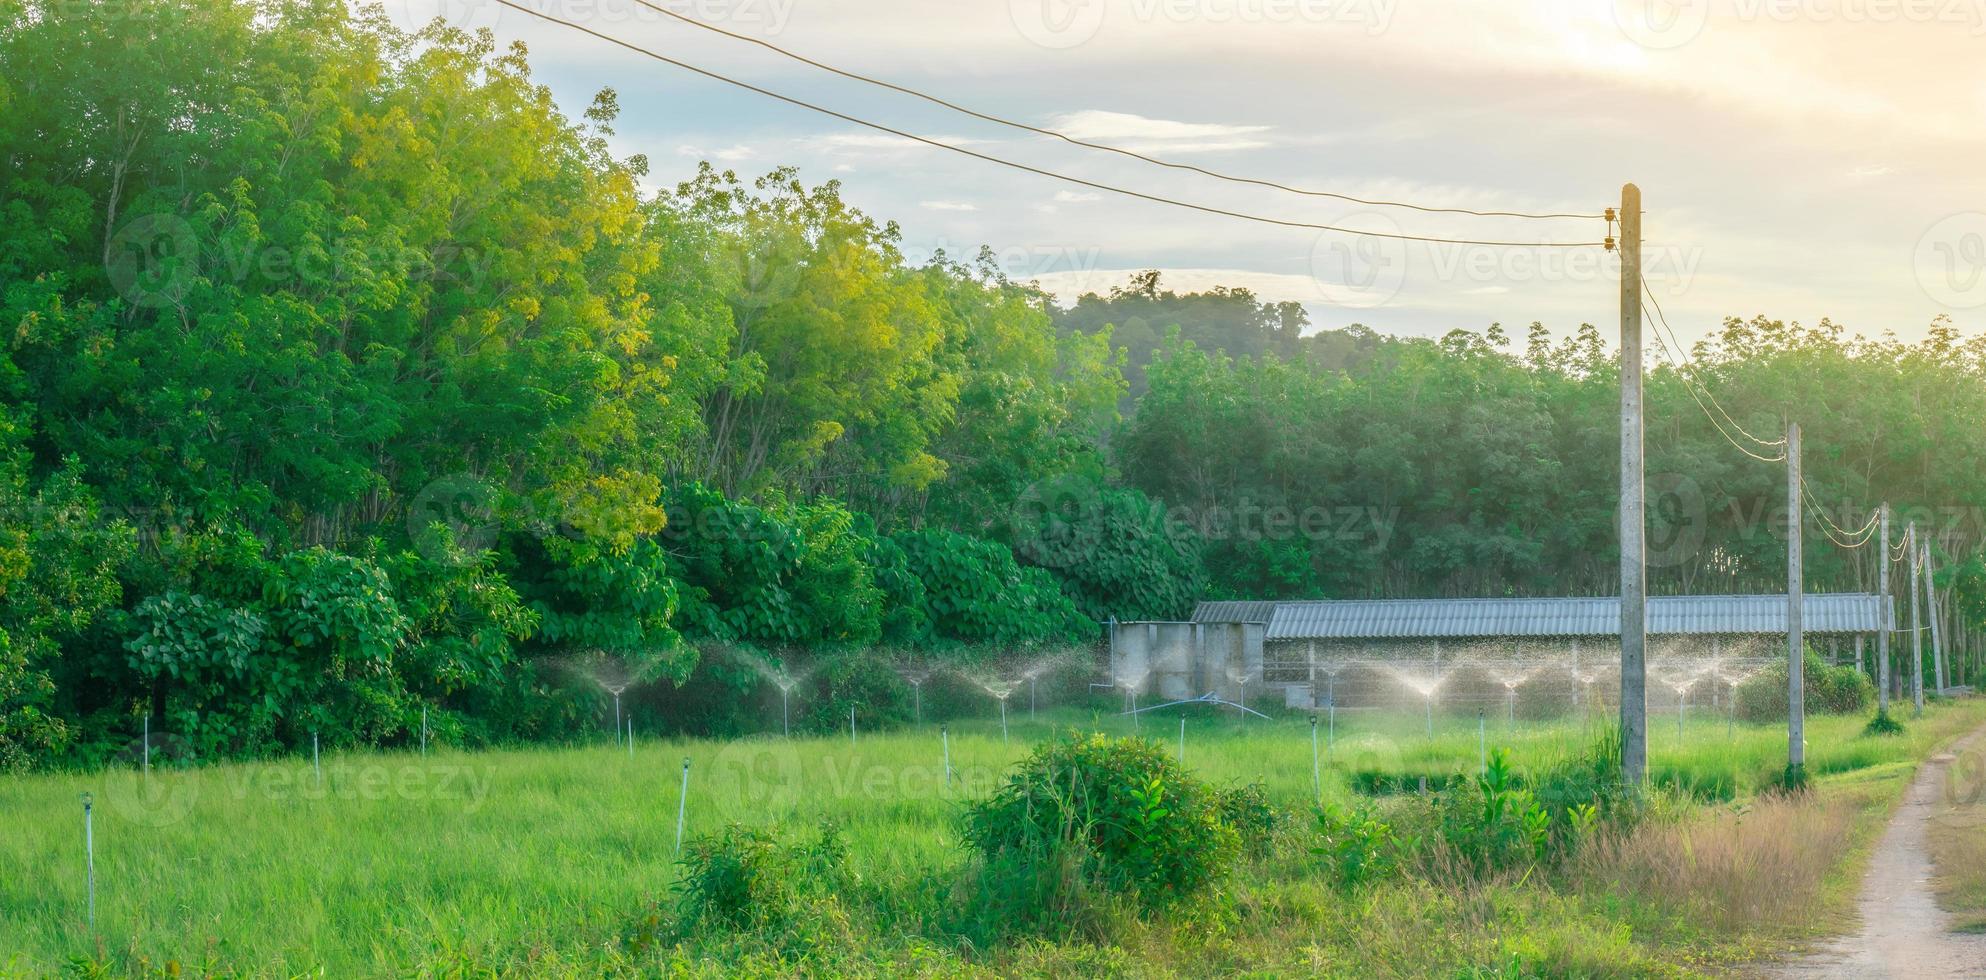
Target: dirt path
column 1904, row 933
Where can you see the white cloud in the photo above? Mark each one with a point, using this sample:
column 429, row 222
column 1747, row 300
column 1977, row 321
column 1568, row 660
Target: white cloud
column 1076, row 197
column 1145, row 134
column 947, row 206
column 863, row 142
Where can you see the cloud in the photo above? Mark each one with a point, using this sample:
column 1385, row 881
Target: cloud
column 1076, row 197
column 1143, row 133
column 729, row 154
column 947, row 206
column 865, row 142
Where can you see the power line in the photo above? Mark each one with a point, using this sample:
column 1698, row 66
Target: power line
column 1663, row 319
column 1088, row 144
column 1862, row 534
column 1690, row 387
column 1079, row 181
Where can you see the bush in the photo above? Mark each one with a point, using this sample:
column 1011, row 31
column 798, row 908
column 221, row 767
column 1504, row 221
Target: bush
column 1357, row 846
column 748, row 880
column 1119, row 812
column 1248, row 811
column 1492, row 824
column 1830, row 690
column 1883, row 724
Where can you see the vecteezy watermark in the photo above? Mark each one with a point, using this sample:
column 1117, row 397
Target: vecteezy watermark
column 466, row 506
column 1068, row 23
column 1359, row 271
column 1362, row 271
column 155, row 260
column 1677, row 518
column 454, row 783
column 152, row 260
column 1963, row 797
column 1665, row 24
column 158, row 793
column 1661, row 24
column 773, row 772
column 1016, row 263
column 1950, row 261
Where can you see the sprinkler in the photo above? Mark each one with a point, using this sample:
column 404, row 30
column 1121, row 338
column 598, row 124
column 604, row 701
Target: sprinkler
column 90, row 858
column 1182, row 740
column 945, row 740
column 682, row 805
column 1482, row 743
column 915, row 674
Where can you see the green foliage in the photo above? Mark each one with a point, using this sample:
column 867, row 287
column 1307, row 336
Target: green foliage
column 974, row 592
column 794, row 574
column 1883, row 724
column 1357, row 846
column 747, row 880
column 58, row 559
column 1114, row 551
column 1830, row 690
column 1247, row 809
column 1491, row 824
column 1122, row 807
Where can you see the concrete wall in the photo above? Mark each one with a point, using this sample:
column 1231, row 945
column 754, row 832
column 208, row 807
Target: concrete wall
column 1175, row 661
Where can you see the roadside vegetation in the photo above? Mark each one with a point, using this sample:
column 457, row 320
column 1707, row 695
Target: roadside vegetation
column 814, row 857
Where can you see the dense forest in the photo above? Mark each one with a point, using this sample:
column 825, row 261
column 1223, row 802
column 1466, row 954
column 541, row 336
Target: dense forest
column 346, row 379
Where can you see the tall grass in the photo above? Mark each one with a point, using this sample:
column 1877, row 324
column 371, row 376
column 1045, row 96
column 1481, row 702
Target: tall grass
column 544, row 856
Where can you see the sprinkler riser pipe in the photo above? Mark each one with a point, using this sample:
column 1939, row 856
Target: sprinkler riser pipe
column 682, row 805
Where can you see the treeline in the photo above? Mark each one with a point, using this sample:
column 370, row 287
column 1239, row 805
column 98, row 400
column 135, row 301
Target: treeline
column 347, row 381
column 1465, row 467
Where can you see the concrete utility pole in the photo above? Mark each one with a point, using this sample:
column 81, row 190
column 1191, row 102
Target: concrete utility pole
column 1931, row 609
column 1634, row 563
column 1916, row 626
column 1796, row 686
column 1883, row 616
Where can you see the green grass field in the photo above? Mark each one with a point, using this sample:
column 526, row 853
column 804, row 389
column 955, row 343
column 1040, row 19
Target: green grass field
column 531, row 861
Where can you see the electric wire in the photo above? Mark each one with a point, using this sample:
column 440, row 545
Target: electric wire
column 1089, row 144
column 1027, row 168
column 1690, row 387
column 1828, row 526
column 1663, row 319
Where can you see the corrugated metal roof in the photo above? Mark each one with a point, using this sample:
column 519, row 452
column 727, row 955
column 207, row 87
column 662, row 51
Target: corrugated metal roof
column 1445, row 618
column 1233, row 612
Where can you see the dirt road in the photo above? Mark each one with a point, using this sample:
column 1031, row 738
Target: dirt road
column 1903, row 932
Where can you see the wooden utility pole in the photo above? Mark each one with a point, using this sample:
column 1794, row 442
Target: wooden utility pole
column 1796, row 687
column 1883, row 615
column 1916, row 626
column 1634, row 563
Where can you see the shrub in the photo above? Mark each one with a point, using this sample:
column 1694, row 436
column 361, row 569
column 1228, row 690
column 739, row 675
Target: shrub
column 1492, row 824
column 1830, row 690
column 1883, row 724
column 1357, row 846
column 1119, row 812
column 746, row 879
column 1247, row 810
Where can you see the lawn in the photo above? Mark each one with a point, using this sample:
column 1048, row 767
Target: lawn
column 543, row 861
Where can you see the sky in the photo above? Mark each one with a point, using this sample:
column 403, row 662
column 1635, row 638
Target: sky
column 1798, row 159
